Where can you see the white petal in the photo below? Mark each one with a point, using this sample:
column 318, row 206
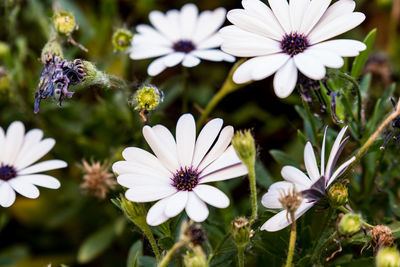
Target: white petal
column 246, row 44
column 176, row 203
column 156, row 67
column 224, row 174
column 213, row 55
column 205, row 139
column 333, row 152
column 188, row 20
column 213, row 41
column 160, row 22
column 228, row 158
column 173, row 59
column 297, row 8
column 327, row 58
column 42, row 180
column 145, row 158
column 310, row 66
column 208, row 23
column 294, row 175
column 166, row 137
column 43, row 166
column 275, row 191
column 160, row 149
column 280, row 220
column 337, row 26
column 35, row 153
column 269, row 65
column 195, row 208
column 31, row 139
column 311, row 162
column 156, row 215
column 148, row 51
column 212, row 196
column 185, row 139
column 130, row 180
column 344, row 48
column 7, row 195
column 13, row 142
column 285, row 79
column 219, row 147
column 323, row 151
column 149, row 193
column 135, row 168
column 313, row 14
column 2, row 140
column 190, row 61
column 281, row 12
column 24, row 188
column 148, row 35
column 173, row 18
column 340, row 170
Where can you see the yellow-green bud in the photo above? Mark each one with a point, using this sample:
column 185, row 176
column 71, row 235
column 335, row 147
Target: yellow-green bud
column 50, row 49
column 195, row 260
column 5, row 80
column 4, row 49
column 148, row 97
column 388, row 257
column 64, row 22
column 135, row 212
column 241, row 231
column 121, row 39
column 350, row 224
column 245, row 147
column 337, row 195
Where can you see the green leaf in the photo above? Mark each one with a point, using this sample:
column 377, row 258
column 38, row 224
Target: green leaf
column 283, row 158
column 135, row 251
column 147, row 261
column 361, row 59
column 264, row 178
column 166, row 243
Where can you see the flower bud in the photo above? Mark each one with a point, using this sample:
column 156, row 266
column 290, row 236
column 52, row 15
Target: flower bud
column 388, row 257
column 4, row 49
column 121, row 40
column 148, row 97
column 337, row 195
column 245, row 147
column 64, row 22
column 133, row 211
column 241, row 231
column 51, row 48
column 194, row 260
column 349, row 224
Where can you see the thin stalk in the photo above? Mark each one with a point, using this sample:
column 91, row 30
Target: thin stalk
column 228, row 86
column 292, row 242
column 218, row 247
column 316, row 256
column 241, row 256
column 185, row 89
column 170, row 253
column 311, row 119
column 253, row 191
column 396, row 230
column 149, row 234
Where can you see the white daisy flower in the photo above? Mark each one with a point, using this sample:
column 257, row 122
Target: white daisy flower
column 18, row 151
column 313, row 187
column 288, row 37
column 177, row 175
column 183, row 36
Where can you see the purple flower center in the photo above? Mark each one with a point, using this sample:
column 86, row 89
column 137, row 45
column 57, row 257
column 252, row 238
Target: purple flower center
column 294, row 43
column 7, row 172
column 185, row 179
column 184, row 46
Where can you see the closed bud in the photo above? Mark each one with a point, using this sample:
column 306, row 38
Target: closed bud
column 121, row 40
column 64, row 22
column 245, row 147
column 388, row 257
column 195, row 260
column 337, row 195
column 133, row 211
column 148, row 97
column 5, row 80
column 4, row 50
column 241, row 231
column 349, row 224
column 51, row 48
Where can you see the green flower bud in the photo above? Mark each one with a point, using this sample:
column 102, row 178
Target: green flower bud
column 194, row 260
column 50, row 49
column 148, row 97
column 337, row 195
column 4, row 50
column 245, row 147
column 5, row 80
column 64, row 22
column 135, row 212
column 241, row 231
column 350, row 224
column 121, row 40
column 388, row 257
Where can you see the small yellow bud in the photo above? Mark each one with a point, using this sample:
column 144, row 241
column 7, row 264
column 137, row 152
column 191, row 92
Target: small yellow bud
column 148, row 97
column 388, row 257
column 195, row 260
column 64, row 22
column 244, row 145
column 337, row 195
column 241, row 231
column 350, row 224
column 121, row 40
column 4, row 49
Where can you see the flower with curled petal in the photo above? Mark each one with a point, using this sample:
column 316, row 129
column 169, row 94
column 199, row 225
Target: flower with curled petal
column 176, row 176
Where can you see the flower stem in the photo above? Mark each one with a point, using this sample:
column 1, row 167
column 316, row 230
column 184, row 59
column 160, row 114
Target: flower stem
column 316, row 256
column 241, row 255
column 147, row 231
column 292, row 241
column 218, row 247
column 170, row 253
column 358, row 91
column 228, row 86
column 253, row 190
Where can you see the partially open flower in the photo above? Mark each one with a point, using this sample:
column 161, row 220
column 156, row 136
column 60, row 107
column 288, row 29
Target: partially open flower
column 381, row 237
column 97, row 179
column 64, row 22
column 388, row 257
column 349, row 224
column 121, row 39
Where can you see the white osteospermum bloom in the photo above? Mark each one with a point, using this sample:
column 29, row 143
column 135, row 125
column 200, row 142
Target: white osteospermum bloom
column 289, row 37
column 313, row 187
column 177, row 175
column 18, row 151
column 183, row 36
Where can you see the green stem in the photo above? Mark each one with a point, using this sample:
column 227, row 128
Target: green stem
column 253, row 190
column 292, row 241
column 228, row 87
column 316, row 256
column 323, row 229
column 358, row 91
column 396, row 230
column 170, row 253
column 149, row 234
column 185, row 90
column 241, row 256
column 218, row 247
column 311, row 119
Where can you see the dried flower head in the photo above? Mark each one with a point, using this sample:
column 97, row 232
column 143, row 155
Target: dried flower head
column 381, row 237
column 64, row 22
column 97, row 179
column 195, row 233
column 121, row 39
column 290, row 200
